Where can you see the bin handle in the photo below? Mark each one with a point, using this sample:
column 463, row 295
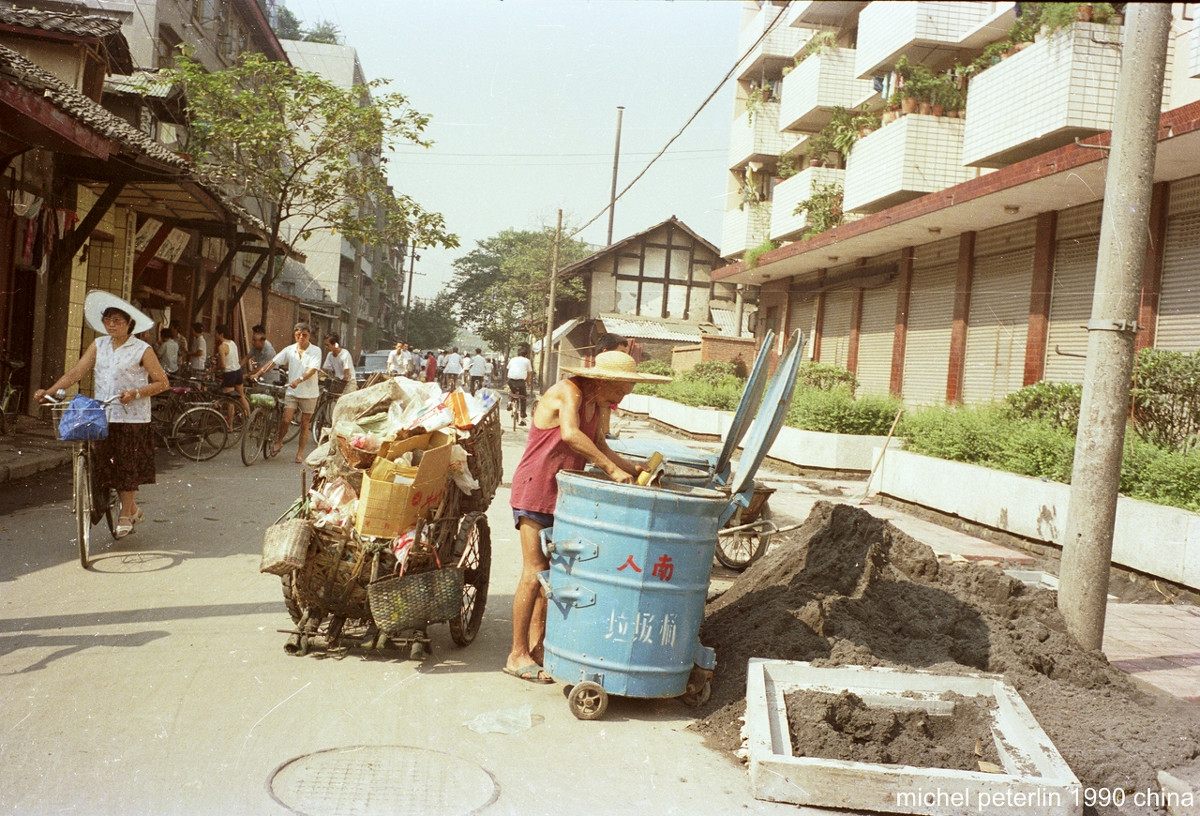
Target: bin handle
column 573, row 595
column 576, row 548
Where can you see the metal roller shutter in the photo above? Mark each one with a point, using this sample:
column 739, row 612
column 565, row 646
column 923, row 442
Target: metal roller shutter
column 835, row 333
column 927, row 349
column 1179, row 305
column 875, row 339
column 1071, row 307
column 997, row 326
column 801, row 313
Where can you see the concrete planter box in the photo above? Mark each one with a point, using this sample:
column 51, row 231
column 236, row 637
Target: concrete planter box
column 1149, row 538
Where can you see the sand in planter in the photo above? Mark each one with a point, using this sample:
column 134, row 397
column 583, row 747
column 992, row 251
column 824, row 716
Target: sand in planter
column 849, row 589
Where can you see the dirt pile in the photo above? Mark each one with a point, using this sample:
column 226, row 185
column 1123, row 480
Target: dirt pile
column 849, row 589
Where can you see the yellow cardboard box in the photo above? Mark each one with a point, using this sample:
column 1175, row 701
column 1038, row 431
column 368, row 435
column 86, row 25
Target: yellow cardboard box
column 386, row 509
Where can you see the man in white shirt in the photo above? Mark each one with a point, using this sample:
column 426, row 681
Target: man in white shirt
column 302, row 360
column 168, row 352
column 478, row 370
column 340, row 366
column 198, row 350
column 453, row 369
column 520, row 377
column 396, row 360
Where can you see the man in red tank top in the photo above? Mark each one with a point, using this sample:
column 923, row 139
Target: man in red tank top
column 566, row 433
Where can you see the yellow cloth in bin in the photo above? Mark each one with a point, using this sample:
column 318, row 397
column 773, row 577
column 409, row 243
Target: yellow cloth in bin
column 386, row 509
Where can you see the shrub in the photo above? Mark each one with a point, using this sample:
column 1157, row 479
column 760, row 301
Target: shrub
column 752, row 255
column 1037, row 448
column 1166, row 398
column 1057, row 403
column 1161, row 476
column 713, row 372
column 959, row 434
column 837, row 411
column 825, row 377
column 653, row 367
column 724, row 396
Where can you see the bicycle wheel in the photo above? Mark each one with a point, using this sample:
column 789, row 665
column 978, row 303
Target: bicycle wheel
column 322, row 418
column 83, row 505
column 235, row 415
column 254, row 440
column 9, row 411
column 473, row 550
column 740, row 550
column 200, row 432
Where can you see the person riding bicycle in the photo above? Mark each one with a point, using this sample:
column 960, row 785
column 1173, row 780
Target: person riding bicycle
column 520, row 376
column 126, row 367
column 453, row 369
column 478, row 370
column 340, row 366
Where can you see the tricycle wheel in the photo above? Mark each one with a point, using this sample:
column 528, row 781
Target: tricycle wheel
column 472, row 551
column 588, row 701
column 740, row 550
column 289, row 596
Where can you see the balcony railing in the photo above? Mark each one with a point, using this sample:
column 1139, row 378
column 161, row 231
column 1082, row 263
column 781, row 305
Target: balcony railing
column 932, row 31
column 1075, row 72
column 816, row 86
column 906, row 159
column 785, row 225
column 757, row 137
column 745, row 228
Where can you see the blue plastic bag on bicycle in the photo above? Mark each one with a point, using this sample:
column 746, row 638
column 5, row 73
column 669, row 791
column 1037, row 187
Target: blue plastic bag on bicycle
column 83, row 420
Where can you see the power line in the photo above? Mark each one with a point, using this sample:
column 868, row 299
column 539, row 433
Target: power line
column 767, row 30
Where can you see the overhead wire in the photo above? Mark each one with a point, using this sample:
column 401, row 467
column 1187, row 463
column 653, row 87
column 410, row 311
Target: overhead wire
column 766, row 30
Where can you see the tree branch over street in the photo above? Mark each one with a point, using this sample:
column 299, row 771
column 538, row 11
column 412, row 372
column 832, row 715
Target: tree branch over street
column 311, row 153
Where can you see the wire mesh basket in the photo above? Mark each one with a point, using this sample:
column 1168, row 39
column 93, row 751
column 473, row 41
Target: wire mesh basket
column 88, row 423
column 485, row 460
column 412, row 601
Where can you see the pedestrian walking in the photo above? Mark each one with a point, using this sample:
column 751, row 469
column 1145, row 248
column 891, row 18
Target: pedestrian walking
column 477, row 371
column 302, row 361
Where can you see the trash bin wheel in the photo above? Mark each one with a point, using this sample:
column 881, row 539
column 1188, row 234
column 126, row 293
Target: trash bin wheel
column 289, row 596
column 473, row 550
column 698, row 697
column 588, row 701
column 740, row 550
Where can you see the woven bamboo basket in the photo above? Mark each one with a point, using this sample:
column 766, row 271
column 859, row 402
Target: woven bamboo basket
column 412, row 601
column 485, row 459
column 355, row 457
column 335, row 575
column 285, row 546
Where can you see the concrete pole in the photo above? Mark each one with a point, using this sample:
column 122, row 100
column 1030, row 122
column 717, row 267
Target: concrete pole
column 350, row 339
column 612, row 195
column 545, row 367
column 413, row 257
column 1087, row 544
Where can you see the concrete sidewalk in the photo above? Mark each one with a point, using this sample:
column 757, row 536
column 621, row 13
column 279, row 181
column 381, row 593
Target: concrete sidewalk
column 31, row 450
column 1155, row 639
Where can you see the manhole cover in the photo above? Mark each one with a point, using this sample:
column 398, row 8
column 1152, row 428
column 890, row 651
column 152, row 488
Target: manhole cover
column 365, row 780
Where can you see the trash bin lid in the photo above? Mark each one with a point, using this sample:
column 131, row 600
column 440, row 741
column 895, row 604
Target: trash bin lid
column 672, row 451
column 771, row 415
column 747, row 408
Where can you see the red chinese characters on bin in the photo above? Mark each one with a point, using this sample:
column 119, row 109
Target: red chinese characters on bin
column 663, row 570
column 421, row 500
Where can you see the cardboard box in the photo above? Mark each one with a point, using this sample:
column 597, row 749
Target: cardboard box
column 386, row 509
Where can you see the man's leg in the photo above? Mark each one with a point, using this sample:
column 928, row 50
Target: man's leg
column 288, row 413
column 304, row 421
column 529, row 616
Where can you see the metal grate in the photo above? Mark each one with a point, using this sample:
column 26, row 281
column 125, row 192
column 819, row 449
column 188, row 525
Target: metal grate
column 371, row 780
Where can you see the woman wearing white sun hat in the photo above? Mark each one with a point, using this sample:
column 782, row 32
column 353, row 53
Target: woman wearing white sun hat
column 127, row 368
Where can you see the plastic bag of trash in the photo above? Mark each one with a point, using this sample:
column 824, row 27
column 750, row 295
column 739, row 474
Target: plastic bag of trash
column 459, row 471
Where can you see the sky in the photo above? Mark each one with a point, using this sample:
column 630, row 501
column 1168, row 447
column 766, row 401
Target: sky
column 523, row 96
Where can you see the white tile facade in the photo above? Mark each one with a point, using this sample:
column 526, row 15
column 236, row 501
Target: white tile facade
column 910, row 157
column 1075, row 74
column 745, row 228
column 783, row 41
column 785, row 225
column 759, row 137
column 887, row 29
column 818, row 84
column 1194, row 58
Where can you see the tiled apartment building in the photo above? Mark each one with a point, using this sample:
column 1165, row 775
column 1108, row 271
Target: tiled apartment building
column 990, row 218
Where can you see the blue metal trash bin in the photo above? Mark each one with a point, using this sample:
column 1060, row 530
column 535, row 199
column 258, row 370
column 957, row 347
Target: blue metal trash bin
column 629, row 574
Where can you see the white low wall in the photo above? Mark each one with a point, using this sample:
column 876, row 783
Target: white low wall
column 805, row 449
column 1150, row 538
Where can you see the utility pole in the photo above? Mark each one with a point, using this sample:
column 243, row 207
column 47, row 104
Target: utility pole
column 1087, row 544
column 546, row 343
column 612, row 195
column 351, row 342
column 413, row 257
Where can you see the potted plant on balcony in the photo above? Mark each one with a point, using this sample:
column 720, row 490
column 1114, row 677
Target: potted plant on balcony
column 818, row 148
column 823, row 208
column 818, row 43
column 786, row 167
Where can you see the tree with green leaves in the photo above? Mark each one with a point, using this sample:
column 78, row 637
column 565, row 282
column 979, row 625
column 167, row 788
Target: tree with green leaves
column 287, row 24
column 312, row 154
column 502, row 287
column 324, row 32
column 432, row 324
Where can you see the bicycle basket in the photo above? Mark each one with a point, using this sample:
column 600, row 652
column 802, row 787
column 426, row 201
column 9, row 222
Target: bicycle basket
column 81, row 420
column 411, row 601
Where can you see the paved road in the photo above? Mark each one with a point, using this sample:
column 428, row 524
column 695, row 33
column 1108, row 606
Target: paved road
column 157, row 683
